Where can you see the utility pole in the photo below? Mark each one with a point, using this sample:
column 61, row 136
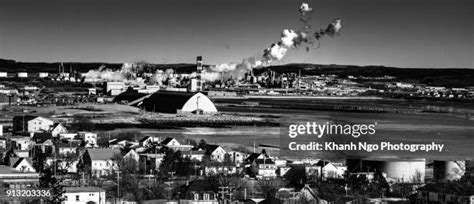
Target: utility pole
column 118, row 184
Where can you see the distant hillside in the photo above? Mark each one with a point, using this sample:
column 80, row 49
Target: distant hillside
column 452, row 77
column 53, row 67
column 449, row 77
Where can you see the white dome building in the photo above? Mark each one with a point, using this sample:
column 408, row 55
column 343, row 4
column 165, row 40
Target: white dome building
column 179, row 102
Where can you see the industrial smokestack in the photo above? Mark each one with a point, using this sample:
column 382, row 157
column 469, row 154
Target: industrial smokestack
column 199, row 72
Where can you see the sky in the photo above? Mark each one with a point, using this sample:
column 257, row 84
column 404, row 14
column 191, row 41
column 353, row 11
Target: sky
column 401, row 33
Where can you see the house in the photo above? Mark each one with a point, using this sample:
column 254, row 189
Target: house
column 262, row 164
column 120, row 144
column 44, row 141
column 67, row 148
column 67, row 136
column 212, row 170
column 11, row 178
column 196, row 155
column 100, row 161
column 237, row 157
column 3, row 143
column 84, row 195
column 23, row 165
column 21, row 142
column 58, row 128
column 172, row 143
column 29, row 123
column 331, row 170
column 148, row 141
column 89, row 138
column 216, row 152
column 151, row 160
column 22, row 153
column 131, row 155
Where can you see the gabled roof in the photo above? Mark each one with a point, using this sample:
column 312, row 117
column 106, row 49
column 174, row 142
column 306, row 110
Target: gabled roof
column 15, row 161
column 102, row 154
column 55, row 125
column 211, row 148
column 167, row 140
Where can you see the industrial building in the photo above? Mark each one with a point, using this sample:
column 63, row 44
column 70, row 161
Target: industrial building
column 395, row 169
column 178, row 102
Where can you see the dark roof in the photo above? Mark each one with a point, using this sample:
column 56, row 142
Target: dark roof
column 129, row 95
column 25, row 117
column 166, row 101
column 41, row 137
column 83, row 189
column 167, row 140
column 102, row 154
column 211, row 148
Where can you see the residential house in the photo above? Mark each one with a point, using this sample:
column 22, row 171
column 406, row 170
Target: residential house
column 212, row 170
column 29, row 123
column 131, row 155
column 43, row 140
column 89, row 138
column 216, row 152
column 21, row 142
column 262, row 164
column 237, row 157
column 69, row 148
column 23, row 165
column 11, row 178
column 331, row 170
column 149, row 141
column 100, row 161
column 67, row 136
column 3, row 143
column 84, row 195
column 151, row 160
column 196, row 155
column 22, row 153
column 58, row 128
column 172, row 143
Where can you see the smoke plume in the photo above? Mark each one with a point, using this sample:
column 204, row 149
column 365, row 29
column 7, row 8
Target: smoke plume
column 289, row 40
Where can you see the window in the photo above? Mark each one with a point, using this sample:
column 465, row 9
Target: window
column 77, row 197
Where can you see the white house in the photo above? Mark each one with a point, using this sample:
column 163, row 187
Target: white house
column 197, row 155
column 237, row 157
column 132, row 155
column 31, row 124
column 22, row 143
column 24, row 165
column 216, row 152
column 175, row 145
column 90, row 138
column 84, row 195
column 101, row 161
column 58, row 128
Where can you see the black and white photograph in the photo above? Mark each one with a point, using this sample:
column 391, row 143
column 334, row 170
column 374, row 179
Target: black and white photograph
column 237, row 102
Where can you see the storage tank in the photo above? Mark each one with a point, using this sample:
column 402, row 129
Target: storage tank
column 411, row 170
column 448, row 170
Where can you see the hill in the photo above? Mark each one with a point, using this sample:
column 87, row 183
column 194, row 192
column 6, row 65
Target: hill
column 449, row 77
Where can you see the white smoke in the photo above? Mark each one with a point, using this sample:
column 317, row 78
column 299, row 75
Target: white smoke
column 102, row 73
column 290, row 39
column 304, row 8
